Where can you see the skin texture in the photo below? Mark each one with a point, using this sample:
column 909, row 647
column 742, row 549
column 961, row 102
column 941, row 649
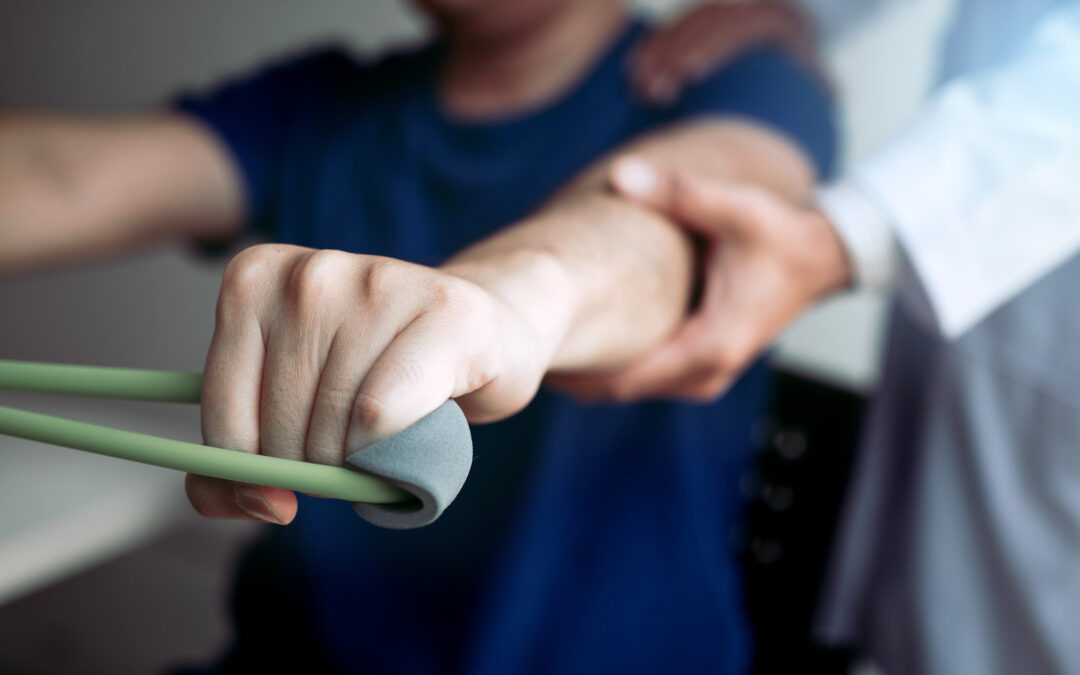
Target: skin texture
column 318, row 353
column 767, row 261
column 549, row 293
column 79, row 188
column 767, row 258
column 75, row 188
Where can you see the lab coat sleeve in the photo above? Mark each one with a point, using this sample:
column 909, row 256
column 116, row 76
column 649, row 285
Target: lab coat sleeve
column 982, row 191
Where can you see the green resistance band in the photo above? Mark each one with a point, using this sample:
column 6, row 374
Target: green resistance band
column 154, row 385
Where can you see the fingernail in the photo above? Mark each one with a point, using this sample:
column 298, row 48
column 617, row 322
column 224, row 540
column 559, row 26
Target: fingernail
column 254, row 505
column 636, row 177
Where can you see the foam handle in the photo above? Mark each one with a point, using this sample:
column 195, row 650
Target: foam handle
column 430, row 460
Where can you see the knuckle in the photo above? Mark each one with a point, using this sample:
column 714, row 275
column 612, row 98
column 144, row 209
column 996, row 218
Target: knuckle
column 460, row 299
column 442, row 295
column 370, row 413
column 487, row 367
column 481, row 367
column 381, row 280
column 245, row 279
column 314, row 275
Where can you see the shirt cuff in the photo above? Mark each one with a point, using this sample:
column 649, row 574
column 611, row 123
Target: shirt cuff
column 866, row 232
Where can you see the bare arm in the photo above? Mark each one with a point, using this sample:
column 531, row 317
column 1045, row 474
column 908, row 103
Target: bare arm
column 76, row 188
column 317, row 354
column 626, row 271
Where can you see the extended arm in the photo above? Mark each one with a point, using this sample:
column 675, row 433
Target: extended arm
column 76, row 188
column 626, row 270
column 317, row 354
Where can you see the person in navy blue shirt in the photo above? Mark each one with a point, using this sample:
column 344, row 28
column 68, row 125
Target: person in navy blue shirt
column 589, row 538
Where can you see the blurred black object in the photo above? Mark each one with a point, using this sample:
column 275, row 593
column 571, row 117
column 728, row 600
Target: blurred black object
column 793, row 496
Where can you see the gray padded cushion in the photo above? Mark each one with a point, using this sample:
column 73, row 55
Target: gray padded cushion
column 430, row 460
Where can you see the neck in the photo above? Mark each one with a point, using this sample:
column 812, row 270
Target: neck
column 487, row 76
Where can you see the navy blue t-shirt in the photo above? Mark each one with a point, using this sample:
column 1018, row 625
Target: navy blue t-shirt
column 588, row 538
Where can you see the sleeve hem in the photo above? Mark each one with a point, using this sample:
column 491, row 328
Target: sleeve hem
column 866, row 232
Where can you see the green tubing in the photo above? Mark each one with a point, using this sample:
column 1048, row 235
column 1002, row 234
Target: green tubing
column 125, row 383
column 315, row 479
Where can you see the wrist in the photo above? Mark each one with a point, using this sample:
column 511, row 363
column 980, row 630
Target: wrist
column 830, row 266
column 532, row 285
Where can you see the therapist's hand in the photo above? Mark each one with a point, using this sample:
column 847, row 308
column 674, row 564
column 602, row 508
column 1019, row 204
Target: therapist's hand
column 766, row 261
column 710, row 36
column 317, row 354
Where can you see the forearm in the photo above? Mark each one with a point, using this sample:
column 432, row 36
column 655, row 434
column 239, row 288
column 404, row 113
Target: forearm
column 603, row 280
column 599, row 280
column 76, row 188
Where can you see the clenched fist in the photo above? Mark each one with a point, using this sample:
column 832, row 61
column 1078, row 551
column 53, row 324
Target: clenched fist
column 317, row 354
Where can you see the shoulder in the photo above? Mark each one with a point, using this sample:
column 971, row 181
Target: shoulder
column 761, row 73
column 769, row 87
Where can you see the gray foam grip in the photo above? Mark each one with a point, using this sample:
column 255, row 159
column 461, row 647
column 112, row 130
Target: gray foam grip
column 430, row 460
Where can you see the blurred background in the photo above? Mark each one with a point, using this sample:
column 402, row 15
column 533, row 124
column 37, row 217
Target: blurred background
column 103, row 567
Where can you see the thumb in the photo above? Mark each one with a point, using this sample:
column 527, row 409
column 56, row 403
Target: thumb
column 707, row 206
column 643, row 182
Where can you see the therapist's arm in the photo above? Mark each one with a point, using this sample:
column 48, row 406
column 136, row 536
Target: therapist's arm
column 979, row 194
column 317, row 354
column 713, row 34
column 75, row 188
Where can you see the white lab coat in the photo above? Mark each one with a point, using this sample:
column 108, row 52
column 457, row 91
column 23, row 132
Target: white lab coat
column 959, row 547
